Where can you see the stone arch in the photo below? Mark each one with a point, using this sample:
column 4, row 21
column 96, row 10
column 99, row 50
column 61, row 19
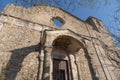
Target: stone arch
column 76, row 55
column 66, row 41
column 68, row 48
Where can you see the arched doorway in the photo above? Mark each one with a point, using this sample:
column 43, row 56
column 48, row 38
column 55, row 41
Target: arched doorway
column 63, row 58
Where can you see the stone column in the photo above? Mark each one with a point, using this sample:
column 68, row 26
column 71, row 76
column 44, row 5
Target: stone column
column 41, row 64
column 47, row 63
column 73, row 66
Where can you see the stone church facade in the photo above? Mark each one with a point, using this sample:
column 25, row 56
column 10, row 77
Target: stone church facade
column 34, row 47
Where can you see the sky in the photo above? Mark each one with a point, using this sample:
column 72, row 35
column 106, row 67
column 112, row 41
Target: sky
column 104, row 12
column 101, row 11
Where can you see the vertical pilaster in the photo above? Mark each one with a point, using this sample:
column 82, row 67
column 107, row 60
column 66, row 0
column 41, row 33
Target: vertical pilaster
column 73, row 66
column 41, row 64
column 47, row 63
column 83, row 66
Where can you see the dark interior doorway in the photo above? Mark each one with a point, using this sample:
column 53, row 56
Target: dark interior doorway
column 60, row 69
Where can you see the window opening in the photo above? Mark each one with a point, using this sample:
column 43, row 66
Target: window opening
column 58, row 21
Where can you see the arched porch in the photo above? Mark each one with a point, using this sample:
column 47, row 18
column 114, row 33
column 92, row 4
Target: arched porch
column 66, row 60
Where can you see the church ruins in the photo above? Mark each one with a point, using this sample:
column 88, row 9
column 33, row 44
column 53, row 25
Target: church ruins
column 48, row 43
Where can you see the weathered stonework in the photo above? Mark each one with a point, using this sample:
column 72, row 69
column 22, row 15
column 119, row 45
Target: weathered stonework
column 33, row 47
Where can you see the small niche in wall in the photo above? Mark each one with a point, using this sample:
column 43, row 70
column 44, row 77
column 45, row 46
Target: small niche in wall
column 58, row 21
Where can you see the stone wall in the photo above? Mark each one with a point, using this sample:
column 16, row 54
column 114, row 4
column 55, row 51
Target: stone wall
column 19, row 49
column 27, row 39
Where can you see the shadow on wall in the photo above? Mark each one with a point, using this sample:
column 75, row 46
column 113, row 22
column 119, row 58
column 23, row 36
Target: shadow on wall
column 16, row 59
column 93, row 73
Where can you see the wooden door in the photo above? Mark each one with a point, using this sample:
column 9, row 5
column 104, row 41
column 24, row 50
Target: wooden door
column 60, row 70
